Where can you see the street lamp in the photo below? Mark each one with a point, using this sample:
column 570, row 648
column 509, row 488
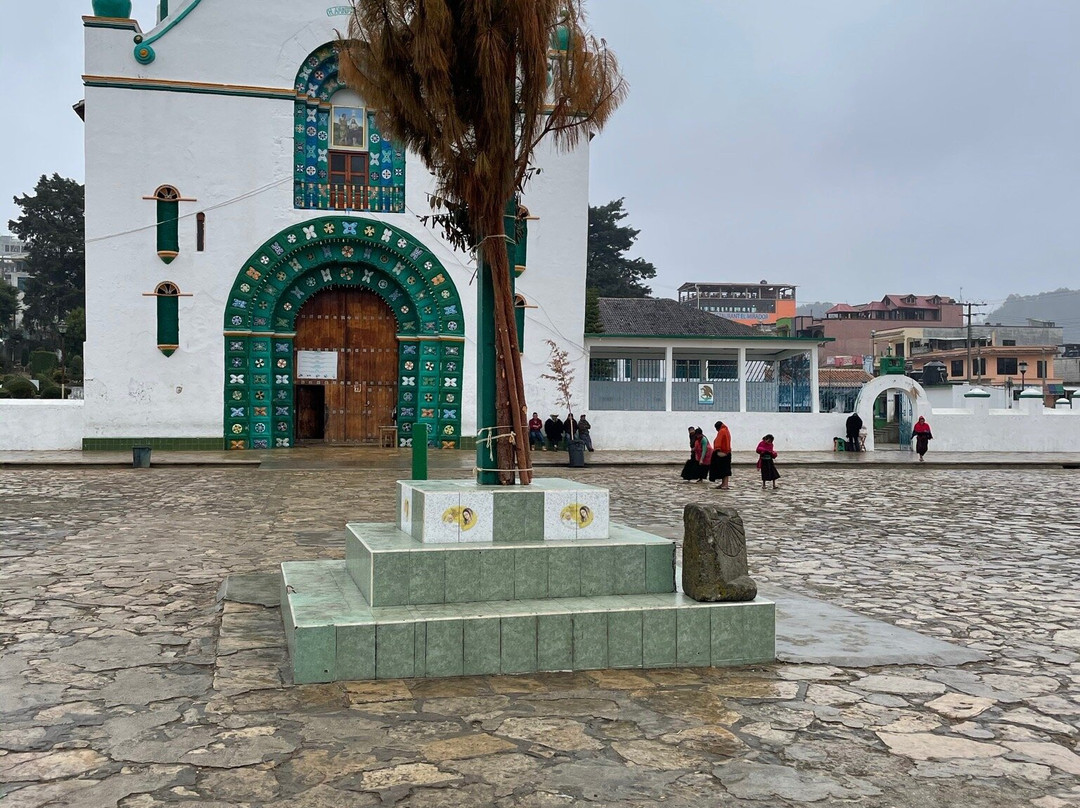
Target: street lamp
column 1023, row 370
column 62, row 328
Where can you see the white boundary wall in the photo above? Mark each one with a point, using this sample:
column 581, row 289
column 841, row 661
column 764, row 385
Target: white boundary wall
column 32, row 424
column 666, row 431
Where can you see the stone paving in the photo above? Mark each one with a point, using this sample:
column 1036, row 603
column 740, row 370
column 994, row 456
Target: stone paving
column 124, row 681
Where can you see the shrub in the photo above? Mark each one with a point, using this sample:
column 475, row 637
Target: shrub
column 42, row 362
column 4, row 394
column 49, row 390
column 20, row 387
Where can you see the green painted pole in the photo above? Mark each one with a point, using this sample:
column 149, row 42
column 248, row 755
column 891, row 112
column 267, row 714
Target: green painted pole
column 419, row 451
column 485, row 372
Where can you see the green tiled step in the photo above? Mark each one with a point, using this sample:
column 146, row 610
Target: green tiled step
column 391, row 568
column 334, row 635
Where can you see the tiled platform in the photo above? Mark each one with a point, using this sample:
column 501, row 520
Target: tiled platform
column 391, row 568
column 335, row 635
column 493, row 579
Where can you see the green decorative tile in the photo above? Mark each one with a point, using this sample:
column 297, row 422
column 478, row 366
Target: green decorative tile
column 590, row 641
column 693, row 641
column 518, row 644
column 497, row 574
column 390, row 573
column 445, row 648
column 628, row 569
column 743, row 633
column 660, row 568
column 564, row 571
column 658, row 638
column 314, row 654
column 462, row 575
column 355, row 652
column 555, row 642
column 518, row 516
column 530, row 573
column 481, row 643
column 427, row 577
column 597, row 575
column 624, row 639
column 395, row 650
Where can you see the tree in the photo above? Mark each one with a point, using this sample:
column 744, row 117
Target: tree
column 593, row 323
column 610, row 272
column 51, row 224
column 473, row 86
column 9, row 305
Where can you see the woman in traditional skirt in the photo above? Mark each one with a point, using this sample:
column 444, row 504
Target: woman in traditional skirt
column 922, row 437
column 690, row 468
column 720, row 468
column 766, row 457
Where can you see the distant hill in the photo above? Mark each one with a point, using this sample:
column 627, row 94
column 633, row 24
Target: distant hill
column 1062, row 306
column 816, row 309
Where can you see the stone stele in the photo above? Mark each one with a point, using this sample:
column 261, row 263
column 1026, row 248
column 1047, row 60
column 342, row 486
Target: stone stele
column 714, row 555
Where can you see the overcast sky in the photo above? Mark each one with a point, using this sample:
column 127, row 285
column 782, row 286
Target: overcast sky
column 852, row 147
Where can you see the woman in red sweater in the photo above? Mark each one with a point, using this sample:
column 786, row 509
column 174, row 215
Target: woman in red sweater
column 720, row 468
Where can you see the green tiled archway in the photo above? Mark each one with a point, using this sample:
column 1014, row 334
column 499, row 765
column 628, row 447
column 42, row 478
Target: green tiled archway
column 328, row 252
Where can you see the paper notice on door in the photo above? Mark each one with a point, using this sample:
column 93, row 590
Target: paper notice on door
column 316, row 364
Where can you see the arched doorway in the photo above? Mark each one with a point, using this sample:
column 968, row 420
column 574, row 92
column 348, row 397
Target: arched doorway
column 346, row 367
column 341, row 252
column 901, row 400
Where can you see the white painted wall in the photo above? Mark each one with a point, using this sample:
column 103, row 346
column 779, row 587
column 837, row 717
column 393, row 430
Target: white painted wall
column 218, row 149
column 666, row 431
column 33, row 424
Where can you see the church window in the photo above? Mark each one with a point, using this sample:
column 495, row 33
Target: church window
column 168, row 317
column 342, row 159
column 168, row 199
column 519, row 319
column 200, row 231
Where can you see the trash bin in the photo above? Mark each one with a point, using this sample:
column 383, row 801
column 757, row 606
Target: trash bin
column 577, row 454
column 140, row 457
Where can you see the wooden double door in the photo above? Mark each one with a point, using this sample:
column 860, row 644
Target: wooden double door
column 361, row 330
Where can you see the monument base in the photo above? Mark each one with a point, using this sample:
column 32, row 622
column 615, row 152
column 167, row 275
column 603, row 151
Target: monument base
column 417, row 603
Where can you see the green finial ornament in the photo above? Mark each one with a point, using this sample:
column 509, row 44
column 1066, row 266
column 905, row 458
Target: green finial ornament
column 112, row 8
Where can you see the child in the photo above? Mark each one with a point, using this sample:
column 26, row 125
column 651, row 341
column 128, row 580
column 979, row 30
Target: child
column 766, row 456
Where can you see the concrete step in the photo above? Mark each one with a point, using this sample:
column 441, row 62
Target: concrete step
column 334, row 635
column 391, row 568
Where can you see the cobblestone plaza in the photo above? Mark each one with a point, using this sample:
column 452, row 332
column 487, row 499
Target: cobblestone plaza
column 125, row 680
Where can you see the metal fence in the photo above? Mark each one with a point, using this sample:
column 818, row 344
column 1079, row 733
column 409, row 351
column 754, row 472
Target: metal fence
column 627, row 395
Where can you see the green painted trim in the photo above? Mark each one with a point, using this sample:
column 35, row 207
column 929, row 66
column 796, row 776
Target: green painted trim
column 168, row 323
column 762, row 338
column 182, row 87
column 161, row 444
column 143, row 53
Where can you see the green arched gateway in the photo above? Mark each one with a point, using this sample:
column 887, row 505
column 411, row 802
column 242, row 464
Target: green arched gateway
column 336, row 251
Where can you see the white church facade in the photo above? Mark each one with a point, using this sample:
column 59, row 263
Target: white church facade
column 257, row 271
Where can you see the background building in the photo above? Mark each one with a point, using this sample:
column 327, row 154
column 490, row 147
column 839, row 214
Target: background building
column 13, row 269
column 998, row 353
column 851, row 327
column 758, row 304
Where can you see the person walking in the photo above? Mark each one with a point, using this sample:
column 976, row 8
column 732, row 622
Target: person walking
column 922, row 436
column 553, row 428
column 702, row 455
column 854, row 425
column 720, row 468
column 584, row 426
column 536, row 431
column 689, row 470
column 766, row 462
